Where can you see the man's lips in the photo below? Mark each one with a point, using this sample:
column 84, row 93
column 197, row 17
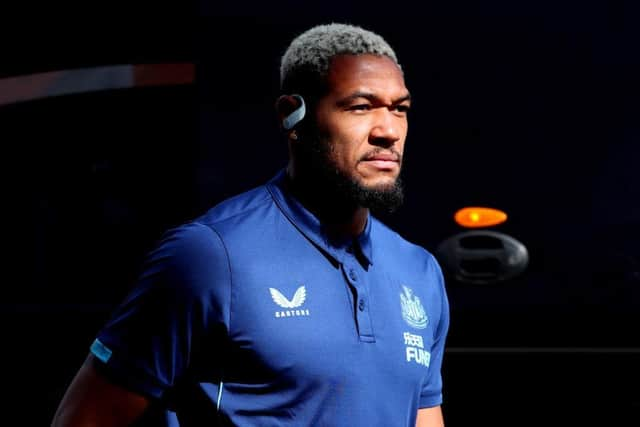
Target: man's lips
column 383, row 157
column 382, row 160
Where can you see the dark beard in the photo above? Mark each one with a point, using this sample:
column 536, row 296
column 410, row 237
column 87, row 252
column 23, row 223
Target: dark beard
column 340, row 189
column 384, row 199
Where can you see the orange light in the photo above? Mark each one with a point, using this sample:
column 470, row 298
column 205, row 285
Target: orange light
column 475, row 217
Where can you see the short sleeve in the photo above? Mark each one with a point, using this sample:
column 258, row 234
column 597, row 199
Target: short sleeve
column 182, row 294
column 431, row 394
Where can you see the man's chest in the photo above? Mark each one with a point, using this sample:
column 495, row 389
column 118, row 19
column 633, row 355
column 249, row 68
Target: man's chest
column 313, row 320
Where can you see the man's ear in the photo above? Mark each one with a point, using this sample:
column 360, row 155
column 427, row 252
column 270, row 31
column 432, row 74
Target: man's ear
column 291, row 110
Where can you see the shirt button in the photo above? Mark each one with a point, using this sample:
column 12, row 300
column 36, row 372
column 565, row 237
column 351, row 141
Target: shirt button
column 352, row 275
column 361, row 305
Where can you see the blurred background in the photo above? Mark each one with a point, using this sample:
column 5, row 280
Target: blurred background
column 112, row 133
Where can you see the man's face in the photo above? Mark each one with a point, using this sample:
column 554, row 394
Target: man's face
column 362, row 122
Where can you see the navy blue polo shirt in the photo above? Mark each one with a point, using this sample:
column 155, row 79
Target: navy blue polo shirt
column 252, row 315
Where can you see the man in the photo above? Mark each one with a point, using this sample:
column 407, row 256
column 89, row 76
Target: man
column 290, row 304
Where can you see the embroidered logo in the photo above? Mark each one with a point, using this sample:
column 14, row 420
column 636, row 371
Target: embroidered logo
column 412, row 310
column 298, row 299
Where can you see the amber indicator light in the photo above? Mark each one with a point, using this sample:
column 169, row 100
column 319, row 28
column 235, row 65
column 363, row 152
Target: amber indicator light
column 476, row 217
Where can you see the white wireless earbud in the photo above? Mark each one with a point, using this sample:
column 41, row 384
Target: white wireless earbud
column 296, row 116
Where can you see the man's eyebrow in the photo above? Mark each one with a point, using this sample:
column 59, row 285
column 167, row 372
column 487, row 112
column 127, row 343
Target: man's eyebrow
column 371, row 97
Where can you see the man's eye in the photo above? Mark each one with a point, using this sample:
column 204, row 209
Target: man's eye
column 360, row 107
column 403, row 108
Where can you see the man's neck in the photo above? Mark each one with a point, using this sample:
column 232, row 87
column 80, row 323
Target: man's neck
column 341, row 219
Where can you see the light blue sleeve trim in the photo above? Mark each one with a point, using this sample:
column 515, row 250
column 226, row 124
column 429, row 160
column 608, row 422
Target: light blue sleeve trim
column 219, row 396
column 100, row 351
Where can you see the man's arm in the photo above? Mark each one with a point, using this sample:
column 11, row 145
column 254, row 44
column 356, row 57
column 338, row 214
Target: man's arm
column 430, row 417
column 92, row 401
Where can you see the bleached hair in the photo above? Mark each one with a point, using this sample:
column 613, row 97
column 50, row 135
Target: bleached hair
column 307, row 59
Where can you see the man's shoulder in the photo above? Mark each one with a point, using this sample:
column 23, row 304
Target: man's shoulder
column 208, row 233
column 402, row 255
column 396, row 244
column 242, row 207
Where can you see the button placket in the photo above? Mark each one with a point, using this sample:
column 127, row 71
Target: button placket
column 358, row 284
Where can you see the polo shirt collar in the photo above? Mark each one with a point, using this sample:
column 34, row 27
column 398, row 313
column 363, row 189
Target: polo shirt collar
column 309, row 225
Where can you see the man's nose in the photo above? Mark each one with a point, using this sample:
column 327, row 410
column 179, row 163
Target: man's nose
column 386, row 128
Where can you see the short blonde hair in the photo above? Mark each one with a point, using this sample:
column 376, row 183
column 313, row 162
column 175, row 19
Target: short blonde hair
column 306, row 61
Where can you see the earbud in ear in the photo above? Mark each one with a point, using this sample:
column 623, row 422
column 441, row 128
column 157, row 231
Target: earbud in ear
column 296, row 116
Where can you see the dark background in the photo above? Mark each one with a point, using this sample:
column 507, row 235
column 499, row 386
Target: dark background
column 530, row 107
